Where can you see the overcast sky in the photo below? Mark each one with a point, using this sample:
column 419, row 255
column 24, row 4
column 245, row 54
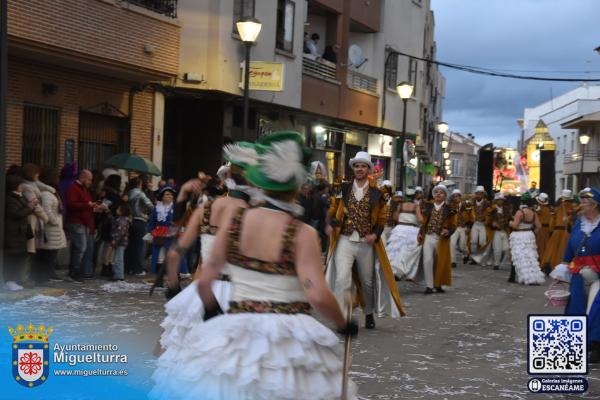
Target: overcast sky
column 528, row 35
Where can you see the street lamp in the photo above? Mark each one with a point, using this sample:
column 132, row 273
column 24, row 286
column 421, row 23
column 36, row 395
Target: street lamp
column 447, row 162
column 446, row 155
column 444, row 144
column 248, row 29
column 405, row 91
column 583, row 139
column 442, row 127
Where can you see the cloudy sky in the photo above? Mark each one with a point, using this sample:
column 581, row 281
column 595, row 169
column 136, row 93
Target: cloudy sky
column 523, row 35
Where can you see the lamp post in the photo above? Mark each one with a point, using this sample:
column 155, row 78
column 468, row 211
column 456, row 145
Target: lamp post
column 405, row 91
column 248, row 29
column 442, row 128
column 583, row 139
column 3, row 96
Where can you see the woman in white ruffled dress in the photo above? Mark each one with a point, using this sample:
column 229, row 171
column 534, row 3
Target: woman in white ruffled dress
column 185, row 310
column 402, row 247
column 267, row 346
column 523, row 246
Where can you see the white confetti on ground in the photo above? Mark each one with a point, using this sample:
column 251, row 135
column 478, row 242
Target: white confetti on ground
column 122, row 286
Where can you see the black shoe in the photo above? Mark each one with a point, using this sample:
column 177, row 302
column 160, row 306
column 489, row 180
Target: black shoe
column 453, row 265
column 428, row 291
column 88, row 276
column 513, row 274
column 496, row 267
column 465, row 260
column 594, row 353
column 473, row 262
column 439, row 289
column 369, row 321
column 106, row 270
column 55, row 278
column 76, row 278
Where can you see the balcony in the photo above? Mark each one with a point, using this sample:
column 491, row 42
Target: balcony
column 365, row 16
column 363, row 82
column 572, row 162
column 319, row 68
column 110, row 37
column 164, row 7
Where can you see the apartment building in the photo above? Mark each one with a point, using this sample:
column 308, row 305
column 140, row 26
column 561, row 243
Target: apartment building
column 567, row 117
column 342, row 103
column 81, row 78
column 463, row 156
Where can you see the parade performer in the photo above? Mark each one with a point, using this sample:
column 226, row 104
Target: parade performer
column 481, row 236
column 581, row 268
column 544, row 212
column 185, row 310
column 523, row 247
column 402, row 247
column 419, row 196
column 560, row 227
column 388, row 195
column 163, row 230
column 266, row 346
column 459, row 241
column 439, row 223
column 498, row 220
column 358, row 214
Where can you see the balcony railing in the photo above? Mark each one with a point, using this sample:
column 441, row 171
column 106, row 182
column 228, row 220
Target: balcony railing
column 590, row 155
column 318, row 67
column 164, row 7
column 360, row 81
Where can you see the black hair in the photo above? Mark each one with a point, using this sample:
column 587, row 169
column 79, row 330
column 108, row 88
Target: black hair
column 125, row 209
column 315, row 36
column 13, row 182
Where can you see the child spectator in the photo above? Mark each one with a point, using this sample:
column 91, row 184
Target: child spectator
column 120, row 237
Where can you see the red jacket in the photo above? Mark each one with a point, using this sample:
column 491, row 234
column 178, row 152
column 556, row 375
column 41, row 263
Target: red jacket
column 78, row 206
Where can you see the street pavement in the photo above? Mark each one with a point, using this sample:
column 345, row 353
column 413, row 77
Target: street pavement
column 467, row 343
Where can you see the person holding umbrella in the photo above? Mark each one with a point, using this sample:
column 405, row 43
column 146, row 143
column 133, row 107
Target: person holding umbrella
column 141, row 207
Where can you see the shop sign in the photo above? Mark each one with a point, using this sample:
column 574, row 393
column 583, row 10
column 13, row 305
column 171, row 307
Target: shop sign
column 267, row 76
column 380, row 145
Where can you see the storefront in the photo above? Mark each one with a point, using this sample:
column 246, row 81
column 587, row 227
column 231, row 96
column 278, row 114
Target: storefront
column 380, row 148
column 327, row 144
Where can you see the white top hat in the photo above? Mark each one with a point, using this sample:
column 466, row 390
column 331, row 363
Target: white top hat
column 566, row 194
column 418, row 189
column 386, row 183
column 499, row 196
column 108, row 172
column 479, row 189
column 410, row 192
column 542, row 198
column 222, row 172
column 399, row 193
column 362, row 157
column 440, row 187
column 456, row 191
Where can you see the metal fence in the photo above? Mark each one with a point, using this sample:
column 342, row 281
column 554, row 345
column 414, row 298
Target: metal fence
column 40, row 135
column 164, row 7
column 590, row 155
column 360, row 81
column 319, row 67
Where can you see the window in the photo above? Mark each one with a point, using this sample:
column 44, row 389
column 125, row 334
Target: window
column 572, row 142
column 412, row 74
column 558, row 144
column 564, row 144
column 455, row 167
column 242, row 8
column 285, row 25
column 391, row 71
column 100, row 137
column 40, row 135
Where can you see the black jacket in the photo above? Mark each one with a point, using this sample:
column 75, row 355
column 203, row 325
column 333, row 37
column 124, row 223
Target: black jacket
column 16, row 228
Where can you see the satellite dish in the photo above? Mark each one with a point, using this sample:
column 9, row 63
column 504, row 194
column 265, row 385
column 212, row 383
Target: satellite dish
column 355, row 56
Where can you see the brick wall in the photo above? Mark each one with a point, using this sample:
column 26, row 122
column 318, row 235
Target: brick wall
column 108, row 31
column 75, row 90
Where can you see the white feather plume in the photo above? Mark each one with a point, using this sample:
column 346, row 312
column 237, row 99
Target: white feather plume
column 283, row 162
column 239, row 154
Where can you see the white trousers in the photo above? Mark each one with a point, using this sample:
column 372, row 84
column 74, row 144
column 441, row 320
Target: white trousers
column 478, row 239
column 429, row 255
column 346, row 254
column 500, row 246
column 458, row 243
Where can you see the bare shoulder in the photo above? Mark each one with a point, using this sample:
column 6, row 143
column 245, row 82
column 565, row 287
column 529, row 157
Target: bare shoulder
column 305, row 233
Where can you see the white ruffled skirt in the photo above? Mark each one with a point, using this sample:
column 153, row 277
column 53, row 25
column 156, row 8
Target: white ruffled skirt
column 251, row 357
column 404, row 251
column 525, row 258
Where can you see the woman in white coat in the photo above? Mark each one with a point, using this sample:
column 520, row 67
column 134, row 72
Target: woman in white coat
column 53, row 235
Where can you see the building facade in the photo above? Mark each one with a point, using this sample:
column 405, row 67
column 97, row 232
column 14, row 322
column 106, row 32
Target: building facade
column 563, row 116
column 463, row 156
column 341, row 95
column 82, row 78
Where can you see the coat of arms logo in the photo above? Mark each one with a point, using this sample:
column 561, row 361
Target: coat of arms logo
column 30, row 354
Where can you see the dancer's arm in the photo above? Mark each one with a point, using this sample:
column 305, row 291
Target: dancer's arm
column 184, row 243
column 517, row 220
column 310, row 274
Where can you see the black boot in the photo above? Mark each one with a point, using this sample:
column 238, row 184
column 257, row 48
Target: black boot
column 428, row 291
column 369, row 321
column 453, row 265
column 496, row 267
column 465, row 259
column 513, row 273
column 594, row 353
column 106, row 270
column 438, row 289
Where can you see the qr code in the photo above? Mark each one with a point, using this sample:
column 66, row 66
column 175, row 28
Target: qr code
column 557, row 344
